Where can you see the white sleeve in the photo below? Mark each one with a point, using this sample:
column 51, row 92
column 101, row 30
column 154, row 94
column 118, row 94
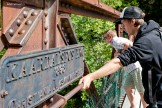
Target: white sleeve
column 118, row 42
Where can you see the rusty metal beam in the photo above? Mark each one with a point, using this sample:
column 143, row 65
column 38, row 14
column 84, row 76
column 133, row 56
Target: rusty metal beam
column 1, row 42
column 67, row 97
column 51, row 11
column 10, row 16
column 24, row 25
column 47, row 34
column 90, row 8
column 36, row 3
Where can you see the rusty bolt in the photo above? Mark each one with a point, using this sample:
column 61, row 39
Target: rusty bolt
column 45, row 27
column 62, row 28
column 21, row 32
column 45, row 41
column 25, row 14
column 45, row 13
column 11, row 32
column 4, row 93
column 51, row 100
column 34, row 13
column 18, row 22
column 29, row 22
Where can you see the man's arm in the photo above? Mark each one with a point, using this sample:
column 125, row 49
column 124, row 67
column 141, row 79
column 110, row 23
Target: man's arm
column 107, row 69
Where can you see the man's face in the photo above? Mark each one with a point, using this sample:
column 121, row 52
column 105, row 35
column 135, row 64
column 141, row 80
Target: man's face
column 127, row 26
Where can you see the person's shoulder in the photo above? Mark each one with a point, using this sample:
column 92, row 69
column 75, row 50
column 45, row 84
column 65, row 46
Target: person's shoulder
column 115, row 38
column 124, row 39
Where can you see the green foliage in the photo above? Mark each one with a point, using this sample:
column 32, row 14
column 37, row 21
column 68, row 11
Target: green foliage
column 112, row 3
column 2, row 53
column 89, row 32
column 152, row 9
column 126, row 3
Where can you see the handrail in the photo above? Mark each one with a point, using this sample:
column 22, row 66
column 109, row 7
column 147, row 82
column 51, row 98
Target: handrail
column 64, row 99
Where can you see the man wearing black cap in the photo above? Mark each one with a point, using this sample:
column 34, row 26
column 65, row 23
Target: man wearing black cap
column 147, row 49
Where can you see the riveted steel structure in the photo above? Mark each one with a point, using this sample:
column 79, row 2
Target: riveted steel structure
column 42, row 47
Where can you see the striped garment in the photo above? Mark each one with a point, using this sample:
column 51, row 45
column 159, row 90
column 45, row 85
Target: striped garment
column 132, row 67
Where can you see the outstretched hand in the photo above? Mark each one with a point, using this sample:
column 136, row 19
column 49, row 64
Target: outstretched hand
column 86, row 80
column 127, row 45
column 105, row 70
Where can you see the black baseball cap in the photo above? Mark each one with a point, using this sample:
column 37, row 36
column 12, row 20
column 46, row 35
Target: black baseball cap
column 129, row 13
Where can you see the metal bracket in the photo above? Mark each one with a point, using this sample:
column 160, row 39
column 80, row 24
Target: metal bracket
column 23, row 26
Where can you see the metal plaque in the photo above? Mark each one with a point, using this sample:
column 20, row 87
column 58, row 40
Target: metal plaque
column 29, row 79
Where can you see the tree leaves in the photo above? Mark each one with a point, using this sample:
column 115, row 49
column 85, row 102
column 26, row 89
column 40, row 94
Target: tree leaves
column 90, row 31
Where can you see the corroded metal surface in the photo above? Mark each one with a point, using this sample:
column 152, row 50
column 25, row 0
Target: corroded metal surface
column 21, row 29
column 28, row 36
column 27, row 80
column 66, row 29
column 69, row 37
column 90, row 8
column 61, row 102
column 50, row 24
column 35, row 25
column 36, row 3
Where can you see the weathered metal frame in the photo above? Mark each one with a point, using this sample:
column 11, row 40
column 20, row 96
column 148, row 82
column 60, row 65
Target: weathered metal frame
column 63, row 100
column 47, row 31
column 63, row 65
column 90, row 8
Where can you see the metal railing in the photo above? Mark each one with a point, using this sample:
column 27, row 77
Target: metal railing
column 61, row 103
